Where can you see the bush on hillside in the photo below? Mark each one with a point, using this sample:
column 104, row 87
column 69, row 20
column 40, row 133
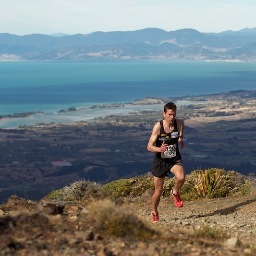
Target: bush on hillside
column 79, row 191
column 132, row 187
column 216, row 183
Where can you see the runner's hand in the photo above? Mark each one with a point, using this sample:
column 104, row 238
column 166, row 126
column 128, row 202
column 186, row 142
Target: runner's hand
column 181, row 143
column 163, row 147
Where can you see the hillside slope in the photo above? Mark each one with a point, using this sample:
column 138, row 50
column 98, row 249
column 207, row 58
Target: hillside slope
column 98, row 225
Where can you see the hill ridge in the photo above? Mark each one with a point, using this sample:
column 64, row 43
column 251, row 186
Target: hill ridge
column 147, row 44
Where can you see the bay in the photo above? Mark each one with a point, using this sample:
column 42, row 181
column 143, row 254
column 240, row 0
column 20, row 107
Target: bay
column 51, row 86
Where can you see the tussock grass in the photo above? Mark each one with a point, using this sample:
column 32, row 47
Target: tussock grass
column 208, row 182
column 216, row 183
column 119, row 221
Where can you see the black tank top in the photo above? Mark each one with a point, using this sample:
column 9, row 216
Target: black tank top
column 171, row 139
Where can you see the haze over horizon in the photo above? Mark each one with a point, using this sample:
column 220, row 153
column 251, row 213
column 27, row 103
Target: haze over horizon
column 22, row 17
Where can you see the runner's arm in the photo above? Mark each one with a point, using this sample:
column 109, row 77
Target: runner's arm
column 152, row 140
column 181, row 125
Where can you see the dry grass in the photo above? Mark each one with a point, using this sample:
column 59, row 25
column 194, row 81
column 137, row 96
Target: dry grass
column 119, row 221
column 205, row 231
column 208, row 182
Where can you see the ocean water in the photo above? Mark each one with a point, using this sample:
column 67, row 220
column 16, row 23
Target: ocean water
column 51, row 86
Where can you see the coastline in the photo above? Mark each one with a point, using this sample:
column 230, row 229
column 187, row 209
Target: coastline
column 198, row 110
column 81, row 114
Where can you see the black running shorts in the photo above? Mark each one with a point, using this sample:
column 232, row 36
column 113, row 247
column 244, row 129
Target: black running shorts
column 161, row 168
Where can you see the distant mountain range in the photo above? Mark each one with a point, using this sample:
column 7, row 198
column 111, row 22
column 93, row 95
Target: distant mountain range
column 149, row 43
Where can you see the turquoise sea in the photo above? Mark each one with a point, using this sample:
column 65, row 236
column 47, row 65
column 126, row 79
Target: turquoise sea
column 51, row 86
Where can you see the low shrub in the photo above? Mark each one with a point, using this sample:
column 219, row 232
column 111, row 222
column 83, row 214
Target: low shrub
column 211, row 183
column 79, row 191
column 132, row 187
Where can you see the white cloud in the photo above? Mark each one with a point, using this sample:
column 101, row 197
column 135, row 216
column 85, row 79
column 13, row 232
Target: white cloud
column 85, row 16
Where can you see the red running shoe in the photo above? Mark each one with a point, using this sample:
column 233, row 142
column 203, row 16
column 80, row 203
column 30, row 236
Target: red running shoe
column 155, row 217
column 177, row 200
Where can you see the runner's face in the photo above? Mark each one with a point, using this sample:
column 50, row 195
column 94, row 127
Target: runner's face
column 170, row 115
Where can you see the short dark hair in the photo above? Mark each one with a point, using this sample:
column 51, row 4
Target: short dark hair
column 170, row 105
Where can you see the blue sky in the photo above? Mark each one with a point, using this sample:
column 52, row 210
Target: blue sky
column 24, row 17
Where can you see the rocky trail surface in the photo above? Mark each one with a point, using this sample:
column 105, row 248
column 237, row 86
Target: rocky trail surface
column 51, row 227
column 234, row 215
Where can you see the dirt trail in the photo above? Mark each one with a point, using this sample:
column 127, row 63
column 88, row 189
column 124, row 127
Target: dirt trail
column 234, row 215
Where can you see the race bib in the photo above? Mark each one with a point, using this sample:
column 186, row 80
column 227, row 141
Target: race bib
column 170, row 152
column 174, row 135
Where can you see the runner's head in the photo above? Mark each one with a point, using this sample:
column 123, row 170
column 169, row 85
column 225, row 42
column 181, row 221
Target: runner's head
column 170, row 112
column 170, row 105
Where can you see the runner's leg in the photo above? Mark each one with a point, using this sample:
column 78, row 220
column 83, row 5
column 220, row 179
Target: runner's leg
column 159, row 184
